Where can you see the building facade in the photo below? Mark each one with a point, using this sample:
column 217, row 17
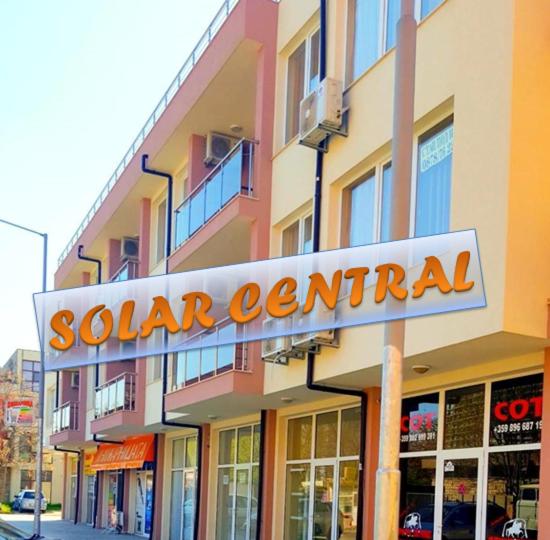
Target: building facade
column 284, row 444
column 19, row 381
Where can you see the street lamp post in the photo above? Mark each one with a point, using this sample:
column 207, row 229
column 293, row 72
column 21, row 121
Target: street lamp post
column 40, row 415
column 388, row 476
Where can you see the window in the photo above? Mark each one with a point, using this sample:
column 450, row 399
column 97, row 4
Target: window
column 433, row 184
column 31, row 375
column 360, row 200
column 182, row 499
column 161, row 231
column 321, row 472
column 427, row 6
column 516, row 411
column 464, row 417
column 372, row 31
column 238, row 483
column 298, row 237
column 302, row 78
column 419, row 421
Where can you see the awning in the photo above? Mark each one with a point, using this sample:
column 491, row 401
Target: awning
column 131, row 454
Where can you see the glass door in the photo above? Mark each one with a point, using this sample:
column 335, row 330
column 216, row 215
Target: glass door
column 458, row 512
column 323, row 503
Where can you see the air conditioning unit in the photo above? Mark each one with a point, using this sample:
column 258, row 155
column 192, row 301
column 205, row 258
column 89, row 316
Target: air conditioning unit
column 129, row 248
column 274, row 347
column 321, row 112
column 309, row 340
column 75, row 379
column 218, row 146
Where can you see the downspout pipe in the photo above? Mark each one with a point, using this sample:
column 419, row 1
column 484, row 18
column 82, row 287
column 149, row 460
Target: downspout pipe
column 98, row 263
column 164, row 421
column 310, row 375
column 66, row 450
column 261, row 465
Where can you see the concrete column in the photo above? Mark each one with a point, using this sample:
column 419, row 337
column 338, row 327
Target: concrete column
column 544, row 517
column 371, row 460
column 196, row 169
column 113, row 257
column 126, row 499
column 144, row 237
column 268, row 474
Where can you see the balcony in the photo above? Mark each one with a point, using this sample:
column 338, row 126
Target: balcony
column 115, row 395
column 65, row 424
column 129, row 270
column 198, row 365
column 231, row 177
column 117, row 406
column 215, row 378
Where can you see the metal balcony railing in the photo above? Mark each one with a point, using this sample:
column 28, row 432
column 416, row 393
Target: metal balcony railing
column 210, row 33
column 231, row 177
column 65, row 417
column 118, row 394
column 190, row 367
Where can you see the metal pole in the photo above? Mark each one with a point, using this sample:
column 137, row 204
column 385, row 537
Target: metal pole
column 386, row 526
column 40, row 416
column 41, row 384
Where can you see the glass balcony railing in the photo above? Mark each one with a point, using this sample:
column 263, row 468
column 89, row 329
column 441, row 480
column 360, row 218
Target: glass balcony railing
column 65, row 417
column 129, row 270
column 193, row 366
column 231, row 177
column 118, row 394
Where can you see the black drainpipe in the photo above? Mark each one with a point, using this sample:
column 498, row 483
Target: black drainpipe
column 163, row 420
column 261, row 465
column 66, row 450
column 97, row 262
column 310, row 384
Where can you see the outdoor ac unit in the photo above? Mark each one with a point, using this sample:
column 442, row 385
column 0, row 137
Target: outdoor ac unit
column 75, row 379
column 217, row 147
column 321, row 112
column 308, row 340
column 274, row 347
column 129, row 248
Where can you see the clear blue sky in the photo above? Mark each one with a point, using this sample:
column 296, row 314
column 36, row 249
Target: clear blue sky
column 77, row 81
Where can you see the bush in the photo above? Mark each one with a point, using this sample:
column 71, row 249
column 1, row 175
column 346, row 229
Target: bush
column 52, row 507
column 5, row 508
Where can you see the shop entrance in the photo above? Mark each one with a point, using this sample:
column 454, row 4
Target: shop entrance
column 144, row 502
column 458, row 514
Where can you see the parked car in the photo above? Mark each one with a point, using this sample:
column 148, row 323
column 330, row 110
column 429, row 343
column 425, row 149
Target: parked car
column 25, row 501
column 527, row 506
column 9, row 532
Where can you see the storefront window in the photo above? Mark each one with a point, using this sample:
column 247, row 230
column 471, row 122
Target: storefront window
column 238, row 480
column 486, row 465
column 516, row 411
column 326, row 435
column 513, row 495
column 419, row 421
column 322, row 482
column 464, row 417
column 299, row 438
column 416, row 515
column 182, row 495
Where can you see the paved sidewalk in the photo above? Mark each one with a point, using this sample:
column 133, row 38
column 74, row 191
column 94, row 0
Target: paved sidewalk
column 55, row 528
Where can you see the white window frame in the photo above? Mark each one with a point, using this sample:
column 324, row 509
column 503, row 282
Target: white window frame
column 440, row 453
column 301, row 220
column 314, row 462
column 184, row 470
column 235, row 466
column 307, row 68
